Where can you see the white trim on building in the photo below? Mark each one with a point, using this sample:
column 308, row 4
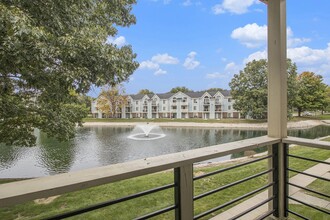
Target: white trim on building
column 206, row 105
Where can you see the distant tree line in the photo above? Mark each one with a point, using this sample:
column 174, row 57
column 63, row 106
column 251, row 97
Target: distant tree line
column 180, row 89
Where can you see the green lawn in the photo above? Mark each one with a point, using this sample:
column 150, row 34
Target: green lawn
column 147, row 204
column 196, row 120
column 199, row 120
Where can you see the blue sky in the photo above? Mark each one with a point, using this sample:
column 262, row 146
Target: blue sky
column 200, row 44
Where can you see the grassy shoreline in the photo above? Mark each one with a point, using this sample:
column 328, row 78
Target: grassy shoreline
column 199, row 120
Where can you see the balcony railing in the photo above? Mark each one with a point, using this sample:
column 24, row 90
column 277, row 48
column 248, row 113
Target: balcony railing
column 183, row 184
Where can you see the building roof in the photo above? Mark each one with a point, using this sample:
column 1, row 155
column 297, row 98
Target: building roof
column 165, row 95
column 138, row 96
column 225, row 93
column 194, row 94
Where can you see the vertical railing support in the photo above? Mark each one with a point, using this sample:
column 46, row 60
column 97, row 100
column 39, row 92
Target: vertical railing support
column 183, row 177
column 286, row 178
column 279, row 176
column 274, row 190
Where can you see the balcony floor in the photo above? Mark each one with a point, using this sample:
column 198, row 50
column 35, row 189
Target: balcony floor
column 299, row 179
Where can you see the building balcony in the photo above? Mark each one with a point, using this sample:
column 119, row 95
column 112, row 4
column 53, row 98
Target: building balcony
column 183, row 166
column 154, row 104
column 206, row 103
column 269, row 199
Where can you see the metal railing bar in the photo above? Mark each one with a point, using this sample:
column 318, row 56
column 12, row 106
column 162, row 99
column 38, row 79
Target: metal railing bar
column 232, row 184
column 232, row 201
column 307, row 142
column 229, row 168
column 297, row 214
column 156, row 213
column 252, row 208
column 108, row 203
column 310, row 190
column 309, row 159
column 306, row 204
column 307, row 174
column 265, row 215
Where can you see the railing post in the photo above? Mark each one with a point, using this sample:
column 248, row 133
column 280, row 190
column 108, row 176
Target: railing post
column 279, row 176
column 286, row 178
column 183, row 177
column 274, row 178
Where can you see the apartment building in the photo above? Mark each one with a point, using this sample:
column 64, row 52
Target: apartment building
column 206, row 105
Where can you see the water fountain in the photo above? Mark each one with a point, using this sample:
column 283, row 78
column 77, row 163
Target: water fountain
column 146, row 132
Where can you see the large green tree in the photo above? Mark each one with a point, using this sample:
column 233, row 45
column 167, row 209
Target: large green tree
column 311, row 92
column 50, row 50
column 249, row 88
column 180, row 89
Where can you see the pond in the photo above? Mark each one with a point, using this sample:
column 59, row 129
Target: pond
column 96, row 146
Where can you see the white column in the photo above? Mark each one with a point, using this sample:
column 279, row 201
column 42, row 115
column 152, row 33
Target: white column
column 277, row 89
column 277, row 69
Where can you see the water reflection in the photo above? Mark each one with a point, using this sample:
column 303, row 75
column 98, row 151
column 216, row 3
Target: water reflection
column 55, row 156
column 9, row 155
column 100, row 145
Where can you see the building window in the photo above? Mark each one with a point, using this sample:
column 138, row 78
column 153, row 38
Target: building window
column 229, row 107
column 164, row 101
column 137, row 102
column 183, row 107
column 195, row 108
column 195, row 100
column 174, row 100
column 164, row 108
column 137, row 108
column 229, row 100
column 174, row 107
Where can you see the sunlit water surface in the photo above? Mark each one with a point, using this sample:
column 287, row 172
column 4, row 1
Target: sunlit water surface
column 96, row 146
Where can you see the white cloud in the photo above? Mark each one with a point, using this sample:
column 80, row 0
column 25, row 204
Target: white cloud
column 253, row 35
column 215, row 75
column 190, row 3
column 306, row 58
column 160, row 72
column 164, row 1
column 148, row 65
column 233, row 6
column 232, row 68
column 119, row 41
column 190, row 63
column 292, row 42
column 256, row 56
column 164, row 59
column 187, row 3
